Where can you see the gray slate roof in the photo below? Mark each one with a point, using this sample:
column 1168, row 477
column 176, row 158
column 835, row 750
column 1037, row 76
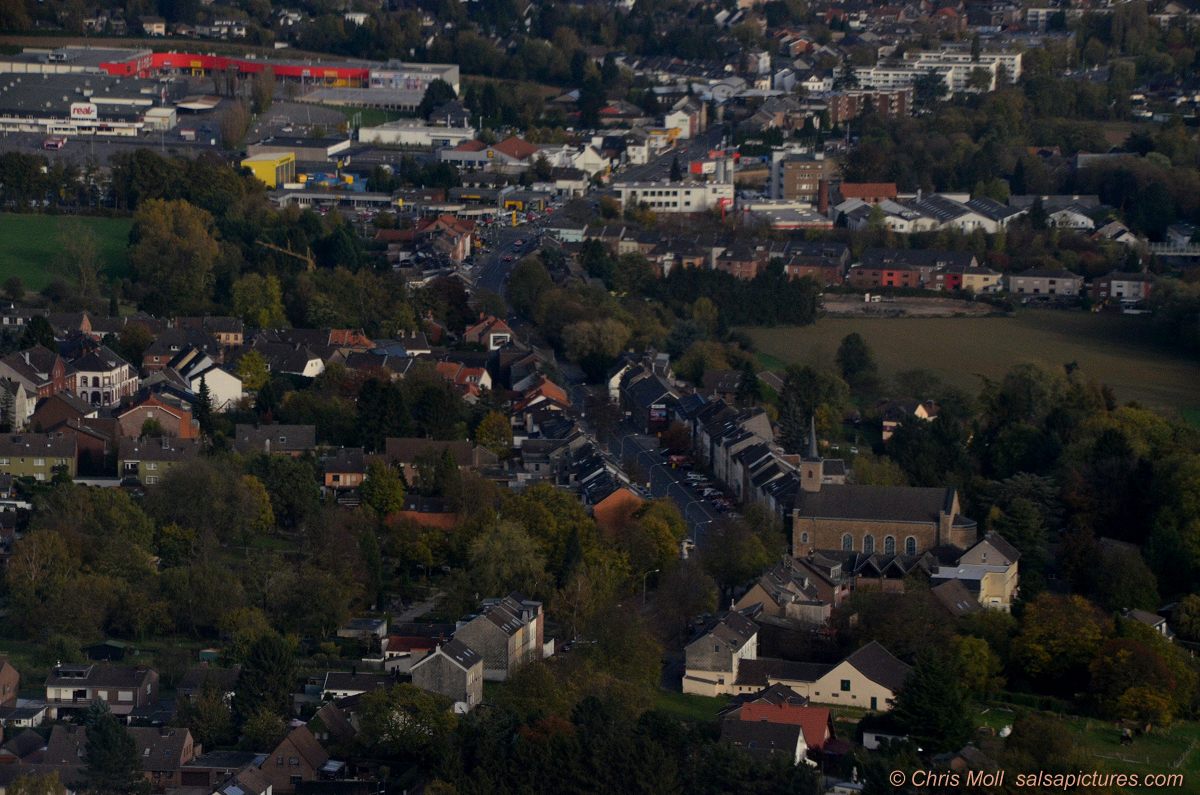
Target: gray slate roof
column 879, row 503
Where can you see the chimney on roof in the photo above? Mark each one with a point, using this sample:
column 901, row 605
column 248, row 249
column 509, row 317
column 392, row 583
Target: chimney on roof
column 823, row 196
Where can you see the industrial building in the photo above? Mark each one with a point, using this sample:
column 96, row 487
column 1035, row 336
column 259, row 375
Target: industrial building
column 72, row 60
column 275, row 170
column 415, row 132
column 307, row 150
column 83, row 104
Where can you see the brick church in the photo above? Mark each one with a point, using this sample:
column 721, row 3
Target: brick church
column 830, row 514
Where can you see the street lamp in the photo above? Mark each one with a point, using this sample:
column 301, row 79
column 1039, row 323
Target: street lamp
column 644, row 576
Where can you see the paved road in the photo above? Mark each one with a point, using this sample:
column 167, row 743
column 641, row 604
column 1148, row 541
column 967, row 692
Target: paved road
column 491, row 273
column 664, row 481
column 660, row 167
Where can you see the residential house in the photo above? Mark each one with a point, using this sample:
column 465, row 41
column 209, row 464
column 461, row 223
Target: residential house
column 71, row 688
column 297, row 758
column 148, row 461
column 200, row 371
column 764, row 739
column 58, row 409
column 364, row 628
column 453, row 670
column 869, row 678
column 16, row 404
column 103, row 378
column 797, row 590
column 198, row 677
column 10, row 684
column 346, row 469
column 613, row 508
column 1125, row 288
column 249, row 781
column 913, row 268
column 25, row 748
column 894, row 413
column 174, row 341
column 343, row 684
column 169, row 419
column 210, row 769
column 37, row 455
column 647, row 397
column 228, row 331
column 988, row 570
column 289, row 440
column 491, row 332
column 955, row 599
column 41, row 371
column 411, row 454
column 1044, row 282
column 717, row 649
column 153, row 26
column 507, row 633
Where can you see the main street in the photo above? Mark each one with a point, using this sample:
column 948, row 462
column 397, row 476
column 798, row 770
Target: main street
column 663, row 480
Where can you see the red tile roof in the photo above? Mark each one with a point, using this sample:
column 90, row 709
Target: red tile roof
column 814, row 721
column 868, row 190
column 516, row 148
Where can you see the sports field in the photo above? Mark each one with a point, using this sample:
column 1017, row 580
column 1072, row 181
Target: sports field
column 1118, row 350
column 29, row 246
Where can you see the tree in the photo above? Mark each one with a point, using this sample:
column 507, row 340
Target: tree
column 733, row 554
column 262, row 730
column 266, row 679
column 495, row 433
column 383, row 489
column 503, row 559
column 805, row 390
column 437, row 93
column 1058, row 639
column 207, row 715
column 113, row 763
column 932, row 706
column 258, row 300
column 382, row 413
column 204, row 407
column 38, row 331
column 1187, row 617
column 405, row 722
column 36, row 784
column 262, row 90
column 234, row 124
column 252, row 369
column 979, row 667
column 173, row 250
column 14, row 288
column 855, row 360
column 749, row 390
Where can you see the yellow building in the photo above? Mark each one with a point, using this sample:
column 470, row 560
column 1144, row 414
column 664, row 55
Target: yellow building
column 273, row 169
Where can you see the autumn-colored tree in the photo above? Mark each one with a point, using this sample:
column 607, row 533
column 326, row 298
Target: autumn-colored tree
column 495, row 433
column 383, row 490
column 1059, row 637
column 173, row 251
column 252, row 369
column 258, row 300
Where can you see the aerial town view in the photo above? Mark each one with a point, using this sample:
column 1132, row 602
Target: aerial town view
column 457, row 397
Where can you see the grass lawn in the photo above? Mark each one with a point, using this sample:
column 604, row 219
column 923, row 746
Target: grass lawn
column 1118, row 350
column 1161, row 751
column 370, row 117
column 689, row 707
column 29, row 246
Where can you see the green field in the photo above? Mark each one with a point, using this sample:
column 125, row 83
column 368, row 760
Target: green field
column 29, row 246
column 1117, row 350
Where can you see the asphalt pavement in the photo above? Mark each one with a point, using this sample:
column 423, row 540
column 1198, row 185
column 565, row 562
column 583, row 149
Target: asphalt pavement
column 665, row 481
column 660, row 167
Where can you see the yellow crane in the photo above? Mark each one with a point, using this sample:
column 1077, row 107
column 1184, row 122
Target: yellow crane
column 306, row 258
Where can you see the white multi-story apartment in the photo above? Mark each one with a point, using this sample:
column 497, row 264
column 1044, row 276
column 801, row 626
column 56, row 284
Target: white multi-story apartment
column 956, row 68
column 688, row 196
